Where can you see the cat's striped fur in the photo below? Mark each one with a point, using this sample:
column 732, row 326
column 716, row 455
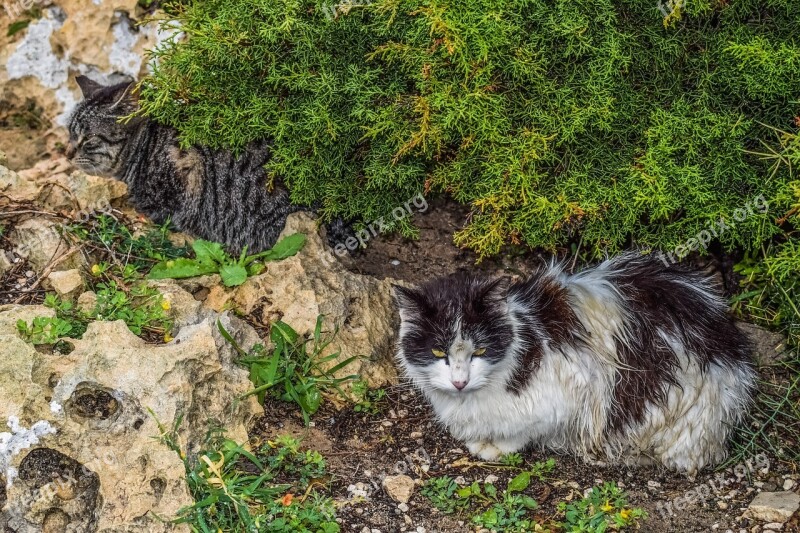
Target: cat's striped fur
column 209, row 193
column 629, row 361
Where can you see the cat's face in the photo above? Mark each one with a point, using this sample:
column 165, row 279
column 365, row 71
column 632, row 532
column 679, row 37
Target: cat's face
column 455, row 333
column 97, row 138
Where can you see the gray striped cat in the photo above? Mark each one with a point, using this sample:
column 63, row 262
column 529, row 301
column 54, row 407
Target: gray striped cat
column 209, row 193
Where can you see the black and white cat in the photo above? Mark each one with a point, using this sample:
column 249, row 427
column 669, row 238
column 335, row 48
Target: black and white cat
column 629, row 361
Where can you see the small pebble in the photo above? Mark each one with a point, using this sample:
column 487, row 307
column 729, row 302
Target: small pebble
column 418, row 435
column 387, row 423
column 29, row 273
column 403, row 507
column 774, row 526
column 787, row 485
column 460, row 480
column 722, row 505
column 491, row 478
column 653, row 484
column 395, row 262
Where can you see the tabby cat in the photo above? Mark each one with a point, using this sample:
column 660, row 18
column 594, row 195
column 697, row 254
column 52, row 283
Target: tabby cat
column 208, row 193
column 631, row 360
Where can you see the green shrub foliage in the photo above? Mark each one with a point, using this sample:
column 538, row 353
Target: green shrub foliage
column 606, row 122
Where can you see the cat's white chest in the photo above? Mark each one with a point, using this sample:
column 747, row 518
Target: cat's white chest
column 544, row 409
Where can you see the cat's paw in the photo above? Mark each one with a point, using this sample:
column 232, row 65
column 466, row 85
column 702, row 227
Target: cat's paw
column 485, row 450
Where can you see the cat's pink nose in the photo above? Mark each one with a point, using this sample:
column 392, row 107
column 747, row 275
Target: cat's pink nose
column 459, row 384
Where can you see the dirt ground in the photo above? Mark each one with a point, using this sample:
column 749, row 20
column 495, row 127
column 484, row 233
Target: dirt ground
column 404, row 439
column 434, row 254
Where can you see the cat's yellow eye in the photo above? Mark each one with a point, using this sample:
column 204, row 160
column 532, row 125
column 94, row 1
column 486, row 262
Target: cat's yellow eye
column 438, row 353
column 479, row 351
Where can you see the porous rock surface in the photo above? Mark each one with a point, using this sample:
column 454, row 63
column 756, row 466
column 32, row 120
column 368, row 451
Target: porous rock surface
column 299, row 289
column 101, row 468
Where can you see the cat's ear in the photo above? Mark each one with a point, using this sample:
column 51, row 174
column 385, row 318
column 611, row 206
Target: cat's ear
column 88, row 87
column 124, row 99
column 495, row 293
column 408, row 298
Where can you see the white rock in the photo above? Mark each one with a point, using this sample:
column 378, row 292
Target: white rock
column 66, row 283
column 773, row 506
column 399, row 488
column 20, row 438
column 773, row 526
column 39, row 241
column 788, row 484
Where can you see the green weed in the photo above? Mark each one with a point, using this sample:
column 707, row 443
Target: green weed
column 273, row 489
column 485, row 506
column 368, row 401
column 118, row 245
column 210, row 258
column 296, row 370
column 604, row 508
column 142, row 308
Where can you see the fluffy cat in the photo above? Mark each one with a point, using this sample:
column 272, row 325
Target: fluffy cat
column 209, row 193
column 629, row 361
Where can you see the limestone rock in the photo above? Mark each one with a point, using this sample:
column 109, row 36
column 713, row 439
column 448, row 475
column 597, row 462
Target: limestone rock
column 769, row 347
column 57, row 186
column 16, row 187
column 104, row 40
column 299, row 289
column 101, row 469
column 5, row 264
column 53, row 185
column 773, row 506
column 399, row 488
column 67, row 284
column 87, row 301
column 39, row 241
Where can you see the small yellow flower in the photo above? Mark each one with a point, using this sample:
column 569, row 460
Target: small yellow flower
column 607, row 508
column 625, row 514
column 167, row 337
column 165, row 305
column 96, row 270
